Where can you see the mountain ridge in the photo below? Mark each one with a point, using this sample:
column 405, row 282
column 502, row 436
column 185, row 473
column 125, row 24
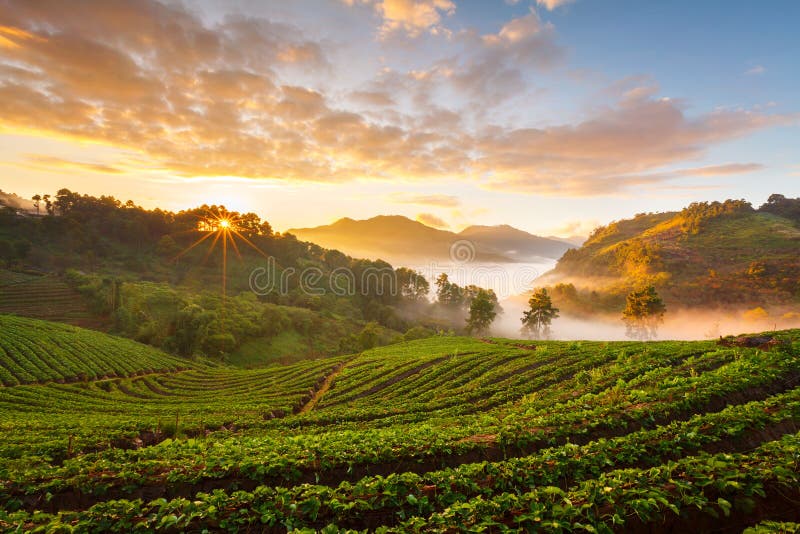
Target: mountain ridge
column 708, row 254
column 397, row 236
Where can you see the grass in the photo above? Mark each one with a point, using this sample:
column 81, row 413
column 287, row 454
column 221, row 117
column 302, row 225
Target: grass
column 286, row 347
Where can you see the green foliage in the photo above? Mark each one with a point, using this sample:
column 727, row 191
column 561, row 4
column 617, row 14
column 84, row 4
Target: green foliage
column 418, row 332
column 591, row 436
column 783, row 207
column 448, row 294
column 711, row 254
column 119, row 248
column 37, row 351
column 643, row 313
column 695, row 216
column 537, row 318
column 482, row 311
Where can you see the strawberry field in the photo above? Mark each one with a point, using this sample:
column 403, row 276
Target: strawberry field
column 444, row 434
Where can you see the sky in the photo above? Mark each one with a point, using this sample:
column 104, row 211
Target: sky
column 553, row 116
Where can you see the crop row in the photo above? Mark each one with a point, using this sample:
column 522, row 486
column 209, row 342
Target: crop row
column 35, row 351
column 336, row 454
column 685, row 493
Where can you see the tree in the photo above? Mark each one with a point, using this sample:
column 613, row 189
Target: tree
column 411, row 285
column 644, row 311
column 48, row 204
column 481, row 313
column 540, row 313
column 448, row 294
column 167, row 246
column 36, row 200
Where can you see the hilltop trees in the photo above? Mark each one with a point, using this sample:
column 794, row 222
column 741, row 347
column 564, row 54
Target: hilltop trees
column 644, row 312
column 481, row 312
column 540, row 313
column 782, row 206
column 449, row 294
column 411, row 285
column 481, row 305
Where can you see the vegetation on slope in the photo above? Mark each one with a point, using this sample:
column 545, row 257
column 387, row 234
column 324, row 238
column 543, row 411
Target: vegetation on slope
column 137, row 273
column 708, row 255
column 436, row 434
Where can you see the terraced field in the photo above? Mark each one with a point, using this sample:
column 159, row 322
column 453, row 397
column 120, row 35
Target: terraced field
column 437, row 435
column 43, row 297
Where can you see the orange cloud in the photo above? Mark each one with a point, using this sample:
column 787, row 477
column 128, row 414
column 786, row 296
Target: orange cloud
column 430, row 219
column 212, row 99
column 10, row 37
column 413, row 16
column 550, row 5
column 42, row 161
column 442, row 201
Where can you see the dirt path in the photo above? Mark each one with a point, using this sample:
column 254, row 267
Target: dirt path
column 326, row 385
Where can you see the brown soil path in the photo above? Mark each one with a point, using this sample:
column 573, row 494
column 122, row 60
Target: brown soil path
column 323, row 389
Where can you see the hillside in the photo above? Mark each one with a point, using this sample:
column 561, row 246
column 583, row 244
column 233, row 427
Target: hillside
column 434, row 435
column 707, row 255
column 34, row 351
column 44, row 297
column 398, row 238
column 155, row 276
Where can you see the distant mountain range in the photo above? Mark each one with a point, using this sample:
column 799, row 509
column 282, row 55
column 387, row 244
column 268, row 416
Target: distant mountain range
column 394, row 237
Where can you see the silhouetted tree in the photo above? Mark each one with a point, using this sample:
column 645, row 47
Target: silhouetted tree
column 644, row 312
column 411, row 285
column 537, row 318
column 448, row 294
column 481, row 313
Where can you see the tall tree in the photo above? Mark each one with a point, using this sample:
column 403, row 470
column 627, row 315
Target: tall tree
column 36, row 200
column 537, row 318
column 48, row 205
column 448, row 294
column 644, row 312
column 481, row 313
column 411, row 285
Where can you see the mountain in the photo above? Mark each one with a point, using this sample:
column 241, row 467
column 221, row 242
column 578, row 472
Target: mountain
column 513, row 243
column 709, row 254
column 394, row 237
column 574, row 240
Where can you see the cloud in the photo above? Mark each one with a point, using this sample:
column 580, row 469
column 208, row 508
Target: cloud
column 575, row 228
column 620, row 147
column 441, row 201
column 42, row 161
column 216, row 97
column 550, row 5
column 413, row 16
column 721, row 170
column 410, row 17
column 755, row 71
column 373, row 98
column 493, row 67
column 432, row 220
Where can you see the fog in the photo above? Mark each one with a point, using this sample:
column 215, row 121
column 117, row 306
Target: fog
column 678, row 325
column 512, row 283
column 505, row 279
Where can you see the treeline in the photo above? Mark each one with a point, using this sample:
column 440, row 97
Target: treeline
column 154, row 276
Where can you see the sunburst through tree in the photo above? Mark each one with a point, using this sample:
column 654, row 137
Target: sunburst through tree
column 224, row 227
